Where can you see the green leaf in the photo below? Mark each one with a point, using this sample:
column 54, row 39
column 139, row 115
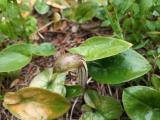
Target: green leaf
column 50, row 81
column 41, row 7
column 92, row 116
column 14, row 57
column 120, row 68
column 122, row 6
column 145, row 5
column 35, row 104
column 92, row 98
column 110, row 108
column 23, row 48
column 142, row 103
column 156, row 81
column 30, row 25
column 2, row 37
column 12, row 61
column 44, row 49
column 86, row 108
column 105, row 105
column 74, row 91
column 101, row 47
column 84, row 12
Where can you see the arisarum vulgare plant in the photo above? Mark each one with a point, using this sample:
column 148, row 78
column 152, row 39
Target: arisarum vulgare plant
column 110, row 61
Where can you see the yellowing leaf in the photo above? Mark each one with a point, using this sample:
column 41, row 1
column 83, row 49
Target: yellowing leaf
column 26, row 3
column 35, row 104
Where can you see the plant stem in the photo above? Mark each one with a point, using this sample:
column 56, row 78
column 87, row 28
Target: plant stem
column 115, row 23
column 23, row 22
column 1, row 97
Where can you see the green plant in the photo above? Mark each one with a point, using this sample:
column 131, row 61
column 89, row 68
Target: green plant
column 105, row 107
column 15, row 24
column 21, row 55
column 135, row 20
column 106, row 67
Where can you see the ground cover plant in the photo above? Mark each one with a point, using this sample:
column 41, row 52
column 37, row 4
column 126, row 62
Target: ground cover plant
column 80, row 60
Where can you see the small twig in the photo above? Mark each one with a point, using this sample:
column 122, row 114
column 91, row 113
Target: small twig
column 109, row 89
column 154, row 33
column 41, row 36
column 43, row 27
column 117, row 95
column 73, row 106
column 89, row 80
column 154, row 63
column 67, row 116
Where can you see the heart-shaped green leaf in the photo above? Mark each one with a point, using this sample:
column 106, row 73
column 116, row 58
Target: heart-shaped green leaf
column 44, row 49
column 50, row 81
column 101, row 47
column 107, row 106
column 12, row 61
column 35, row 104
column 22, row 48
column 14, row 57
column 110, row 108
column 142, row 103
column 120, row 68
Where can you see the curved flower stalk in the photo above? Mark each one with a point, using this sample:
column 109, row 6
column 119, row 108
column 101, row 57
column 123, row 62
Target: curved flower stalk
column 72, row 62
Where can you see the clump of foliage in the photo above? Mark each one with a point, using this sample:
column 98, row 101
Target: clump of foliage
column 106, row 67
column 136, row 20
column 16, row 23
